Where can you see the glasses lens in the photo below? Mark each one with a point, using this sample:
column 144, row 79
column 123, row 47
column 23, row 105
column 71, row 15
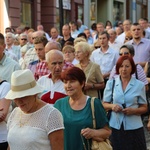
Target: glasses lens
column 97, row 47
column 125, row 53
column 24, row 39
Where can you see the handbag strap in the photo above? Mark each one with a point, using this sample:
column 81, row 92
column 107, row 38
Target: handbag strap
column 112, row 91
column 93, row 111
column 136, row 74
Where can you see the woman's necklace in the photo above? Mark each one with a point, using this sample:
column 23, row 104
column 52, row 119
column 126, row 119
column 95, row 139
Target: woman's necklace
column 21, row 124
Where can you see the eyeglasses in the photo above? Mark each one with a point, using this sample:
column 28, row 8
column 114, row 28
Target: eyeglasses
column 125, row 53
column 128, row 38
column 24, row 39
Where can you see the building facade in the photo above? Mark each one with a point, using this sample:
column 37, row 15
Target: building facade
column 31, row 13
column 114, row 10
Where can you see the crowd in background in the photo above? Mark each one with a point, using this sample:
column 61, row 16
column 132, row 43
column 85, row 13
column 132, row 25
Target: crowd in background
column 79, row 64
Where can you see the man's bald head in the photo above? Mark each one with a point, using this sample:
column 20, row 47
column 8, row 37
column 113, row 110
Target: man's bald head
column 51, row 46
column 55, row 61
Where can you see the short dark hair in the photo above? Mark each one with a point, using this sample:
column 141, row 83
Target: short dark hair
column 135, row 24
column 129, row 47
column 104, row 32
column 2, row 39
column 73, row 73
column 82, row 35
column 120, row 61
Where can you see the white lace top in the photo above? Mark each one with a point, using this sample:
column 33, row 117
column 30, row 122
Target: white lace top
column 30, row 131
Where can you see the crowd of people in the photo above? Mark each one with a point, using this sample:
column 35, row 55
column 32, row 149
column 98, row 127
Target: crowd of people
column 47, row 82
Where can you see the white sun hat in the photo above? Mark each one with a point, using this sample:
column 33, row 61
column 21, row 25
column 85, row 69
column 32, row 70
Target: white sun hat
column 23, row 84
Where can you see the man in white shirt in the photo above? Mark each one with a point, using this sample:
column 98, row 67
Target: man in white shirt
column 74, row 30
column 54, row 35
column 126, row 27
column 113, row 43
column 104, row 56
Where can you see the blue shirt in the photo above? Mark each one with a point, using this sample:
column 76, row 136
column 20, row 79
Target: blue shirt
column 133, row 95
column 7, row 67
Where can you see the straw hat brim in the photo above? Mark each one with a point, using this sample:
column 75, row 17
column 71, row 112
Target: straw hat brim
column 11, row 95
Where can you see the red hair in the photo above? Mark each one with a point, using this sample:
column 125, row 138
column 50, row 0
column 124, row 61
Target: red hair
column 120, row 61
column 73, row 73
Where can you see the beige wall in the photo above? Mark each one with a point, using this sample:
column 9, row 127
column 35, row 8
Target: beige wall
column 4, row 20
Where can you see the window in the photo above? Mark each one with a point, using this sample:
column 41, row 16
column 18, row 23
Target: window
column 25, row 13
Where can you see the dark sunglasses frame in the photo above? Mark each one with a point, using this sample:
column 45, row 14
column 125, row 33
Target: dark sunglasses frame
column 125, row 53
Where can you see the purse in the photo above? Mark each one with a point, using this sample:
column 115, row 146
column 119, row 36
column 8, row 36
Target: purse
column 104, row 145
column 109, row 111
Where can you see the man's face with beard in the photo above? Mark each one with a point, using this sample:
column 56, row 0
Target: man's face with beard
column 136, row 31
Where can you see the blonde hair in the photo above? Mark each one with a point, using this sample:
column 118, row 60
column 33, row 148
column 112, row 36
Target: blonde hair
column 79, row 39
column 84, row 47
column 68, row 47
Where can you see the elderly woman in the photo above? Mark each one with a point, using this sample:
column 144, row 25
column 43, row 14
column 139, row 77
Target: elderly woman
column 34, row 123
column 129, row 102
column 77, row 114
column 128, row 50
column 94, row 78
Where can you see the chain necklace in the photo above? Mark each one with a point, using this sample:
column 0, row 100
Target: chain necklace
column 21, row 124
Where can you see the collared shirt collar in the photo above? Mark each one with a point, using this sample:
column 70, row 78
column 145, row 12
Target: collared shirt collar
column 105, row 52
column 141, row 41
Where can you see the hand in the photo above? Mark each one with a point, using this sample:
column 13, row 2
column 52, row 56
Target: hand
column 2, row 116
column 116, row 108
column 128, row 111
column 87, row 133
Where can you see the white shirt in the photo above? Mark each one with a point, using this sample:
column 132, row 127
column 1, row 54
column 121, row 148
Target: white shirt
column 74, row 34
column 121, row 38
column 106, row 60
column 115, row 46
column 32, row 129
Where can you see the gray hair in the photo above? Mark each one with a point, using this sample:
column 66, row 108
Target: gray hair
column 50, row 54
column 11, row 34
column 129, row 47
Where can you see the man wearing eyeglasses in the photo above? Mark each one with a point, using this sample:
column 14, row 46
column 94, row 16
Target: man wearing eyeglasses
column 31, row 55
column 23, row 39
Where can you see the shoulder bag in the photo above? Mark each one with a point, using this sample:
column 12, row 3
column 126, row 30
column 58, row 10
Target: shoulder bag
column 104, row 145
column 109, row 111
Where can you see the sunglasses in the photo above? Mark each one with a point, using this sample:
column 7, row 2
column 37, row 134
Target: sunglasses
column 128, row 38
column 97, row 47
column 24, row 39
column 125, row 53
